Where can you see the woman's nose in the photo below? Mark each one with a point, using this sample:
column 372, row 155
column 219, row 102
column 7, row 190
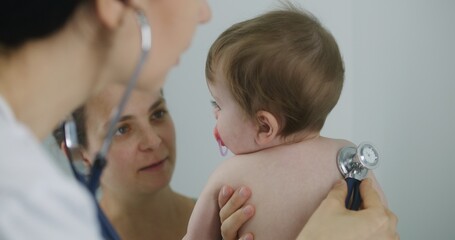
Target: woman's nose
column 205, row 14
column 150, row 140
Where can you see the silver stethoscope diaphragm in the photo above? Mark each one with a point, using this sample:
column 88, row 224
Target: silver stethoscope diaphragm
column 354, row 163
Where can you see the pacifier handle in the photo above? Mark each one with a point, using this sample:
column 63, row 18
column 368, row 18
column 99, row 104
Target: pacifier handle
column 223, row 149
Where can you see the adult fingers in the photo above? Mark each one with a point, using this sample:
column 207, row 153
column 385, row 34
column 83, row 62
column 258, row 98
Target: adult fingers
column 394, row 223
column 247, row 236
column 231, row 226
column 338, row 193
column 235, row 202
column 224, row 195
column 370, row 196
column 390, row 224
column 386, row 221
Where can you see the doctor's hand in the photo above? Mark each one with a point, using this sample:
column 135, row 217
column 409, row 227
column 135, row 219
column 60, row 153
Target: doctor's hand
column 333, row 221
column 233, row 213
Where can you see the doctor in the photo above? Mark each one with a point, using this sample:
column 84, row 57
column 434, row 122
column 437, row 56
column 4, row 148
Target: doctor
column 54, row 55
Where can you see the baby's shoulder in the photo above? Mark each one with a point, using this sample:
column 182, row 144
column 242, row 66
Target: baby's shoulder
column 336, row 143
column 233, row 166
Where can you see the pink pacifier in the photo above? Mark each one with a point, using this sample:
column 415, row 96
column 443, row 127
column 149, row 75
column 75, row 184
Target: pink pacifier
column 222, row 147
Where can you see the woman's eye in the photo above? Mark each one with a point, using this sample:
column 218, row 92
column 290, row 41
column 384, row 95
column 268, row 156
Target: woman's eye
column 159, row 114
column 122, row 130
column 215, row 105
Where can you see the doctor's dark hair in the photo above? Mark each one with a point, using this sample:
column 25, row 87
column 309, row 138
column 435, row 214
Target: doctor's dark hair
column 24, row 20
column 283, row 62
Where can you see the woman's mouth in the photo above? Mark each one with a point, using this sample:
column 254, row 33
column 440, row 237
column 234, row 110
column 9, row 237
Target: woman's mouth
column 154, row 166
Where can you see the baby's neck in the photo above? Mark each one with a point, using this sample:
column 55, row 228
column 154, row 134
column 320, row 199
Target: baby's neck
column 301, row 136
column 298, row 137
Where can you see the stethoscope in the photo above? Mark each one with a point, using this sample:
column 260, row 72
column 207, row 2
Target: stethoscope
column 91, row 178
column 354, row 163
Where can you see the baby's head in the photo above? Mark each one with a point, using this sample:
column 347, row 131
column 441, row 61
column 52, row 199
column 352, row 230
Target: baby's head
column 283, row 62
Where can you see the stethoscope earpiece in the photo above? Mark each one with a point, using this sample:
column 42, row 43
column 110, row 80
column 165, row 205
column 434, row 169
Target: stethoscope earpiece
column 73, row 149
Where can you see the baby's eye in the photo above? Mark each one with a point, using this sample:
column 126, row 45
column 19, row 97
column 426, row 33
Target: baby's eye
column 122, row 130
column 215, row 105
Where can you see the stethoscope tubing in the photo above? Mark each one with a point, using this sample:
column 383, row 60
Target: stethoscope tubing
column 91, row 182
column 107, row 230
column 353, row 198
column 145, row 49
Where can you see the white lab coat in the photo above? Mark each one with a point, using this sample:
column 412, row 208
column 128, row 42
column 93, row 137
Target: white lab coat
column 37, row 200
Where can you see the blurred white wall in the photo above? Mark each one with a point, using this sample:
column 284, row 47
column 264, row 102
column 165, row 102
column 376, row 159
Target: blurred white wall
column 399, row 58
column 404, row 82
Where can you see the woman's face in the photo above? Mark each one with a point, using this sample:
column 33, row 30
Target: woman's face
column 141, row 159
column 173, row 23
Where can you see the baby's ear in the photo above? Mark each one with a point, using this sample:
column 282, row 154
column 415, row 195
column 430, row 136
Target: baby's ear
column 267, row 128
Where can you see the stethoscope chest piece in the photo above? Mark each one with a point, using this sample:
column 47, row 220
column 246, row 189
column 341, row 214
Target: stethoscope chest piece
column 354, row 164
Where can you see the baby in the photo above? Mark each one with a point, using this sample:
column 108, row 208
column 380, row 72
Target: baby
column 274, row 80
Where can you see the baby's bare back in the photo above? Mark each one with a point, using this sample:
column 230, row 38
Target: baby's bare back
column 288, row 184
